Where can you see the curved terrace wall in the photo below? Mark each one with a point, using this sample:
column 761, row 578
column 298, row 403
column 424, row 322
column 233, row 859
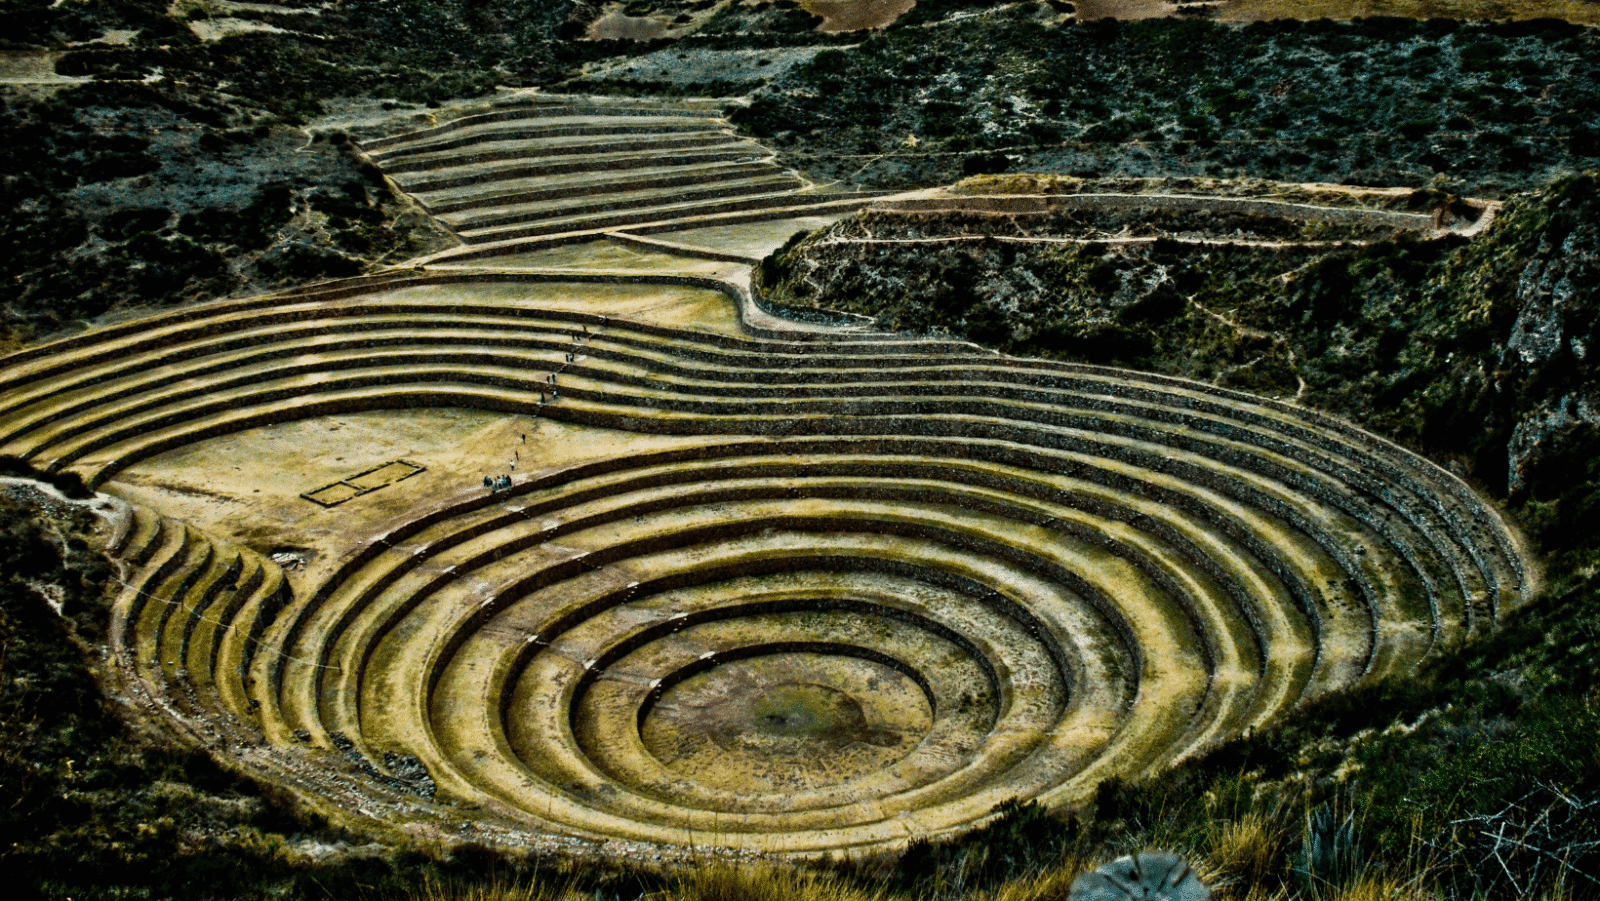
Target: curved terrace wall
column 1072, row 572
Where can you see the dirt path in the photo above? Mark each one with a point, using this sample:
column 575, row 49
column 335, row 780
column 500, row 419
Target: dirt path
column 1109, row 240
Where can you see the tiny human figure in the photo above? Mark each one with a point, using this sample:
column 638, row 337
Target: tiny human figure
column 524, row 436
column 541, row 400
column 487, row 482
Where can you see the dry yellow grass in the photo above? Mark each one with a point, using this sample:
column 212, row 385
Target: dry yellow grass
column 497, row 890
column 1050, row 885
column 1378, row 888
column 1250, row 10
column 722, row 881
column 1247, row 851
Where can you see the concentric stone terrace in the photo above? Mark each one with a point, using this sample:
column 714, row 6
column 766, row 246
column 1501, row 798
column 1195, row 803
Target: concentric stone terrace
column 796, row 591
column 534, row 170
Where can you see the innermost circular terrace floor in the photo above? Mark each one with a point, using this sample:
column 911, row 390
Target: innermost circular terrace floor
column 787, row 721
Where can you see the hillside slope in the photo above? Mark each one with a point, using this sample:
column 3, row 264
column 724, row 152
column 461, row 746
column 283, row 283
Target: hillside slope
column 1476, row 352
column 1481, row 354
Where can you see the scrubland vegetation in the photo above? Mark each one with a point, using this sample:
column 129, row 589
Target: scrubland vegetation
column 122, row 195
column 1495, row 106
column 1458, row 348
column 1429, row 342
column 182, row 173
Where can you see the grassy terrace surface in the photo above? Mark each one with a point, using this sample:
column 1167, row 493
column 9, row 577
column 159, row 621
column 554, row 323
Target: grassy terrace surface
column 1075, row 572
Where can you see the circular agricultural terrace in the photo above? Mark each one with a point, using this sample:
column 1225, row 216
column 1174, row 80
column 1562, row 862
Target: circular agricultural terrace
column 736, row 582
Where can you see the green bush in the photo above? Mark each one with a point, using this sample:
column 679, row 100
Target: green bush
column 1415, row 130
column 123, row 224
column 1482, row 57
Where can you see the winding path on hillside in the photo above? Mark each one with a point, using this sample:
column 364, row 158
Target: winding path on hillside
column 772, row 586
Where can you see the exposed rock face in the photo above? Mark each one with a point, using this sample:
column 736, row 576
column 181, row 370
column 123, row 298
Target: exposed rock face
column 1556, row 291
column 1550, row 347
column 1541, row 428
column 410, row 772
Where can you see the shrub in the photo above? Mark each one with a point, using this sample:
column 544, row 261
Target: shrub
column 68, row 483
column 123, row 224
column 1415, row 130
column 985, row 164
column 303, row 261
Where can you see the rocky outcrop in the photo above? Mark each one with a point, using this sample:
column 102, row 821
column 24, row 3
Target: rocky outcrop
column 1552, row 344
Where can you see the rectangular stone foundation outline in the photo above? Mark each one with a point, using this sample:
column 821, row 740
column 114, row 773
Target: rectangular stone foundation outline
column 362, row 483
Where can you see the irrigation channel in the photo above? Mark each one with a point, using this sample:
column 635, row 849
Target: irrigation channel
column 558, row 537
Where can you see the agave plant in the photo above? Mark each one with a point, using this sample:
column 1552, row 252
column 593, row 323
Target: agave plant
column 1330, row 856
column 1154, row 875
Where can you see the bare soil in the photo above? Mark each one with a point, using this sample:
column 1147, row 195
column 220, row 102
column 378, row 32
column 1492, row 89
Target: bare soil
column 1581, row 11
column 618, row 26
column 1124, row 9
column 856, row 15
column 33, row 67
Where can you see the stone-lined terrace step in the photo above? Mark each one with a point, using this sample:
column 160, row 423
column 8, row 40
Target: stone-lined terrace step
column 1126, row 569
